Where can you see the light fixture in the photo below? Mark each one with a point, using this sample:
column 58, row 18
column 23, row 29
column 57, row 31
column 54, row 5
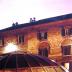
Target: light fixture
column 67, row 65
column 10, row 48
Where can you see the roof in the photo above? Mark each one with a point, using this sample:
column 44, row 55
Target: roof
column 47, row 20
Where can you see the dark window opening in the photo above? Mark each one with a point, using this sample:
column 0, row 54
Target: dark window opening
column 67, row 31
column 1, row 41
column 43, row 52
column 21, row 39
column 70, row 31
column 66, row 50
column 39, row 36
column 42, row 35
column 63, row 32
column 45, row 35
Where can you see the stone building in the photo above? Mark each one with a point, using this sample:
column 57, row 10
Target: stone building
column 51, row 37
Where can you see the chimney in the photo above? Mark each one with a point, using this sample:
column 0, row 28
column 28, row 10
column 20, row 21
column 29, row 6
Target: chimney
column 16, row 23
column 32, row 19
column 13, row 24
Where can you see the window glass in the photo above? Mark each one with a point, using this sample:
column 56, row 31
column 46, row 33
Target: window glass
column 39, row 36
column 66, row 50
column 42, row 35
column 21, row 39
column 1, row 41
column 43, row 52
column 45, row 35
column 63, row 32
column 66, row 31
column 70, row 31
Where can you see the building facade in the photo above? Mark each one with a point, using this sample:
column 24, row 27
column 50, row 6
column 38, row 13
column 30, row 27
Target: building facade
column 50, row 37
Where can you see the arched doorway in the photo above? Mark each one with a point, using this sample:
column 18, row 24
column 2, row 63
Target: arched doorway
column 44, row 49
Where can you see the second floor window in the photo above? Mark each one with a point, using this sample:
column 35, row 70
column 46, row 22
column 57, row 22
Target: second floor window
column 70, row 31
column 67, row 31
column 1, row 41
column 20, row 39
column 42, row 35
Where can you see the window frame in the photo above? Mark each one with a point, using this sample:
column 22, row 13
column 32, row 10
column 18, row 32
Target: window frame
column 1, row 41
column 42, row 35
column 66, row 50
column 21, row 39
column 43, row 52
column 66, row 31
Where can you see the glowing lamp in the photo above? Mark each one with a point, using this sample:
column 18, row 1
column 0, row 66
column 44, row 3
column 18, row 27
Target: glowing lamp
column 10, row 48
column 67, row 65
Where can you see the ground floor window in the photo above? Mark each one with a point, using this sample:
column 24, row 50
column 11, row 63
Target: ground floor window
column 66, row 50
column 43, row 52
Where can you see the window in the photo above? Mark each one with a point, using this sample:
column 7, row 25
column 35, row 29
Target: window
column 42, row 35
column 70, row 31
column 63, row 32
column 43, row 52
column 67, row 31
column 1, row 41
column 21, row 39
column 66, row 50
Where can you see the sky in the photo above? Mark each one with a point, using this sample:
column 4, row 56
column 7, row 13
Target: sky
column 12, row 11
